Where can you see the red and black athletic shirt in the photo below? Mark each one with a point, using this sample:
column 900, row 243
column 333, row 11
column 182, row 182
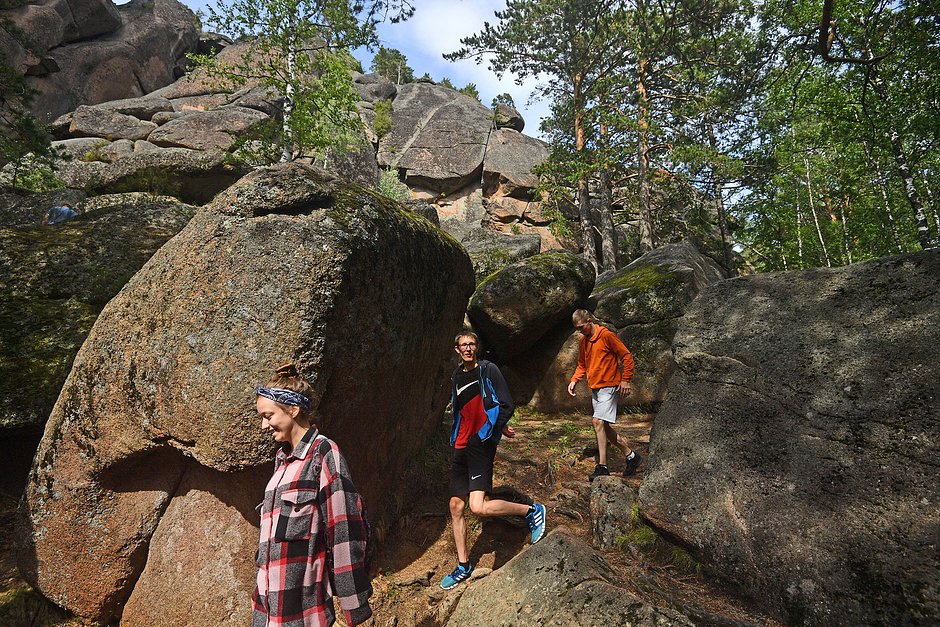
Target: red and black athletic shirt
column 469, row 405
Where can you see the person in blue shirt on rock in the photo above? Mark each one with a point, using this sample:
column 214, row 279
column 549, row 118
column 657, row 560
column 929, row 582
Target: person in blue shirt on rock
column 59, row 214
column 482, row 408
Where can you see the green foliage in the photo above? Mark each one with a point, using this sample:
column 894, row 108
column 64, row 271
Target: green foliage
column 734, row 123
column 155, row 181
column 393, row 65
column 470, row 89
column 382, row 123
column 445, row 82
column 37, row 176
column 390, row 185
column 503, row 98
column 293, row 53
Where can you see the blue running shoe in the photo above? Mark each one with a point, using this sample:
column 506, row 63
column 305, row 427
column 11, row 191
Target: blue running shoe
column 536, row 522
column 459, row 574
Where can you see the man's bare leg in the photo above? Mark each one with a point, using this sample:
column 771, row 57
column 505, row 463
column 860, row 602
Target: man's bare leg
column 614, row 437
column 459, row 524
column 600, row 430
column 483, row 507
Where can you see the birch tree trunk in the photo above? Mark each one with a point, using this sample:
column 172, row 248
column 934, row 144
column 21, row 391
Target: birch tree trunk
column 892, row 224
column 799, row 230
column 844, row 216
column 904, row 169
column 932, row 200
column 287, row 148
column 812, row 208
column 718, row 193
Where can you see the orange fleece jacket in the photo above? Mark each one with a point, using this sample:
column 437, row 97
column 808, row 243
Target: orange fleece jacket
column 600, row 358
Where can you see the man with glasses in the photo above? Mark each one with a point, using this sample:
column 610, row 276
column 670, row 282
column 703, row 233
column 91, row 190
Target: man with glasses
column 482, row 408
column 609, row 369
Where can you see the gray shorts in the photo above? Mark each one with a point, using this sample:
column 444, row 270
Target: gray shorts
column 605, row 403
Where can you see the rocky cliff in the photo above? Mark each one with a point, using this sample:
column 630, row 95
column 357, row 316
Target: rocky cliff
column 91, row 51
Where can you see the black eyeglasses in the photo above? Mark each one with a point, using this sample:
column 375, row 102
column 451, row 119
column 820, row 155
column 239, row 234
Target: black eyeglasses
column 467, row 345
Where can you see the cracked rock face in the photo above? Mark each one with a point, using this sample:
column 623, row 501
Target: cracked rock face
column 95, row 51
column 159, row 405
column 799, row 444
column 438, row 137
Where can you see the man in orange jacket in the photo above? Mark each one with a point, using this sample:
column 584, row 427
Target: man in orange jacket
column 609, row 368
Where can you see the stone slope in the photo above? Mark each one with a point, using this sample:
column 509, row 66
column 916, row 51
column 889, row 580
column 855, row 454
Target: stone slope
column 798, row 446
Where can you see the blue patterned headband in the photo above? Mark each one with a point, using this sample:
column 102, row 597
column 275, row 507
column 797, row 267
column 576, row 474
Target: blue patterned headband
column 284, row 397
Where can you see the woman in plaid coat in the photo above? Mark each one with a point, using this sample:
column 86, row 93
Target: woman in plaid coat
column 313, row 526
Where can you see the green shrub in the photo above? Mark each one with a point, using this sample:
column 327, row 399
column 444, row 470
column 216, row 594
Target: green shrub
column 391, row 186
column 32, row 175
column 383, row 118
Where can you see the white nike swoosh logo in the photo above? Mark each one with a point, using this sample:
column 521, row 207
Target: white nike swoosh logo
column 477, row 477
column 459, row 390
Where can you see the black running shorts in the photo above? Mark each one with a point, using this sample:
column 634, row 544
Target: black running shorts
column 472, row 469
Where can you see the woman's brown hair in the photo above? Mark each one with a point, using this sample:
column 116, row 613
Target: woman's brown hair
column 286, row 377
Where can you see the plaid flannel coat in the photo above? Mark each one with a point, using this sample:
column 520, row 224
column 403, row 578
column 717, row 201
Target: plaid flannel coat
column 313, row 540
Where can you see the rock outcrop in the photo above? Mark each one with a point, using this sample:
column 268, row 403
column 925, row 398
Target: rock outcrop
column 438, row 137
column 797, row 449
column 515, row 307
column 642, row 303
column 612, row 502
column 159, row 404
column 561, row 582
column 54, row 280
column 93, row 51
column 491, row 251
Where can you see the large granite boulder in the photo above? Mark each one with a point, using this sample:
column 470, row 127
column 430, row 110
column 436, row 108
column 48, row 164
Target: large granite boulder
column 127, row 58
column 642, row 303
column 510, row 158
column 110, row 125
column 491, row 251
column 374, row 87
column 207, row 130
column 798, row 447
column 438, row 137
column 513, row 308
column 507, row 116
column 283, row 265
column 54, row 280
column 561, row 582
column 194, row 176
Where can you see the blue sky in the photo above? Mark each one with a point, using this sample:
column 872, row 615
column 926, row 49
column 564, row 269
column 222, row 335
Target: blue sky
column 437, row 27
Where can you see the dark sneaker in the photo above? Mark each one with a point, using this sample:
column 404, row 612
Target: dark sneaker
column 536, row 522
column 456, row 577
column 632, row 464
column 599, row 471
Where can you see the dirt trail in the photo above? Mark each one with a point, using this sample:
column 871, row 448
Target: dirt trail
column 548, row 461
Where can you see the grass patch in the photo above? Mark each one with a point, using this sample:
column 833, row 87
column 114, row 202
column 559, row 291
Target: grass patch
column 685, row 561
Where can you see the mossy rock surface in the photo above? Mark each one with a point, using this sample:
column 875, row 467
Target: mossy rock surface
column 657, row 286
column 54, row 280
column 514, row 307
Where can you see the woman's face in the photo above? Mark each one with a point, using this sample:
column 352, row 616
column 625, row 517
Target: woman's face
column 280, row 422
